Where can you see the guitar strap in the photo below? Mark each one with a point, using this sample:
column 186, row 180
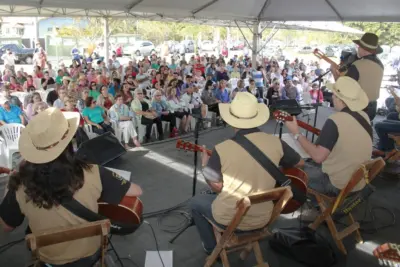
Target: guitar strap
column 269, row 166
column 361, row 120
column 79, row 210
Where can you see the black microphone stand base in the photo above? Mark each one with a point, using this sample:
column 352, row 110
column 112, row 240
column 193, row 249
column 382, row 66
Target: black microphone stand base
column 190, row 224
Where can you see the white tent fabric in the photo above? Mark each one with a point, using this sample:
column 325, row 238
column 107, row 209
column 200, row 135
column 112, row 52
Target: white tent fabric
column 229, row 10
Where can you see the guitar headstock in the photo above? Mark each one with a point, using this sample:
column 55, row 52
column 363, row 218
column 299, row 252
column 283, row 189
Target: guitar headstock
column 388, row 254
column 282, row 116
column 188, row 146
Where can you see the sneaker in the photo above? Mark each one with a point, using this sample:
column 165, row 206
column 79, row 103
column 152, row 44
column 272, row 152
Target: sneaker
column 309, row 215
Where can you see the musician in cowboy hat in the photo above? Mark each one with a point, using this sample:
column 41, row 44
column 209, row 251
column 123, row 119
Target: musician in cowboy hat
column 233, row 173
column 345, row 142
column 51, row 175
column 367, row 70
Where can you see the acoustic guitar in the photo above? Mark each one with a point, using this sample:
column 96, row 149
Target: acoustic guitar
column 388, row 254
column 297, row 176
column 283, row 116
column 125, row 217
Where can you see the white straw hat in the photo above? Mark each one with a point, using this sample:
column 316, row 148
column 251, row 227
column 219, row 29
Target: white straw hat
column 244, row 112
column 47, row 135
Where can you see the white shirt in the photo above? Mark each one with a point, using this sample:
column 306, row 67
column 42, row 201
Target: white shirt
column 8, row 59
column 58, row 104
column 192, row 101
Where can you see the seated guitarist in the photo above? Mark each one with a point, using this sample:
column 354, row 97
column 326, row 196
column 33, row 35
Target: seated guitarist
column 344, row 144
column 233, row 173
column 48, row 176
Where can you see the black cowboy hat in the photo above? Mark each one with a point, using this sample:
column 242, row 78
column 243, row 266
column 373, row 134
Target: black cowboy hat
column 369, row 42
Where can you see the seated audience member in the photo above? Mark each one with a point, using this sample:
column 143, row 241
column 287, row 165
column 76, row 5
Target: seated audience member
column 162, row 109
column 93, row 92
column 21, row 79
column 240, row 88
column 10, row 113
column 115, row 87
column 59, row 103
column 80, row 135
column 193, row 101
column 233, row 173
column 36, row 98
column 105, row 99
column 14, row 85
column 208, row 98
column 28, row 83
column 343, row 145
column 47, row 80
column 316, row 94
column 39, row 107
column 289, row 91
column 120, row 113
column 14, row 100
column 47, row 177
column 179, row 110
column 80, row 104
column 273, row 92
column 95, row 115
column 145, row 115
column 126, row 94
column 221, row 93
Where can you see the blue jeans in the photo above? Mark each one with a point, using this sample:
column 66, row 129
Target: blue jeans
column 390, row 104
column 383, row 128
column 200, row 206
column 319, row 181
column 394, row 116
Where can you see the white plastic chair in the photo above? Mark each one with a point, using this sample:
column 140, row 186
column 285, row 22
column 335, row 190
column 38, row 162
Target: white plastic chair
column 89, row 131
column 11, row 133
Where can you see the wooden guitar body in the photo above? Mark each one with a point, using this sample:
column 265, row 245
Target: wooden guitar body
column 128, row 212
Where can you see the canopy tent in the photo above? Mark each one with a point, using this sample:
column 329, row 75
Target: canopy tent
column 250, row 10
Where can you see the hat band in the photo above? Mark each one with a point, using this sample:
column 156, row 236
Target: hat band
column 248, row 118
column 368, row 45
column 343, row 96
column 54, row 144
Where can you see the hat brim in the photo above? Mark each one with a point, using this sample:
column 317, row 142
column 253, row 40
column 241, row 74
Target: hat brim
column 260, row 119
column 30, row 153
column 378, row 50
column 354, row 105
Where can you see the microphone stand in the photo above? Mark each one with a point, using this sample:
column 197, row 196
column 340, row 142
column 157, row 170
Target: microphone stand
column 319, row 79
column 199, row 120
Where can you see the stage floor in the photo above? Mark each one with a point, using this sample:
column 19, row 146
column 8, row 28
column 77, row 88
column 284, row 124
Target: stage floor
column 165, row 175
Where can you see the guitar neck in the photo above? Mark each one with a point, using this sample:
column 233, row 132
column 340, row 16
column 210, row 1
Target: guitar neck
column 309, row 128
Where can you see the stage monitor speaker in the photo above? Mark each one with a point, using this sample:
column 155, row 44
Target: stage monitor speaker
column 101, row 149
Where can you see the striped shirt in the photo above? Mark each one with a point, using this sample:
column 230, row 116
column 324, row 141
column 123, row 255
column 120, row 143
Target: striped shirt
column 258, row 78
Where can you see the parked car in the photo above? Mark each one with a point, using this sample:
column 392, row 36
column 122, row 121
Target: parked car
column 207, row 46
column 189, row 45
column 305, row 50
column 22, row 54
column 238, row 45
column 140, row 48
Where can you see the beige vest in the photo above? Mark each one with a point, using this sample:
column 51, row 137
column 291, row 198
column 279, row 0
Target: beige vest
column 42, row 219
column 371, row 74
column 353, row 147
column 243, row 176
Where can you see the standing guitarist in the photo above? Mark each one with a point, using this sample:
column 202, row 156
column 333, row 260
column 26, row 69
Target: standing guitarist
column 233, row 173
column 367, row 70
column 345, row 142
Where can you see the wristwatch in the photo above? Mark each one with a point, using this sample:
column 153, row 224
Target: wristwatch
column 296, row 136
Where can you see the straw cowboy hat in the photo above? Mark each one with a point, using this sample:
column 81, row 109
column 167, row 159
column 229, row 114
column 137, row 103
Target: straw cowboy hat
column 369, row 42
column 244, row 112
column 47, row 135
column 350, row 92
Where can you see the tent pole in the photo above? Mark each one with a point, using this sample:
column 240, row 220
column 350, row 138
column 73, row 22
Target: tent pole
column 106, row 37
column 254, row 48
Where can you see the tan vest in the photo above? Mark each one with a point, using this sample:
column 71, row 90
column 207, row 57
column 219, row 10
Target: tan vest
column 371, row 74
column 243, row 176
column 42, row 219
column 353, row 147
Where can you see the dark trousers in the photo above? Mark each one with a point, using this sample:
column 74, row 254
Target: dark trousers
column 181, row 114
column 80, row 136
column 84, row 262
column 371, row 109
column 149, row 124
column 171, row 119
column 214, row 108
column 104, row 128
column 383, row 129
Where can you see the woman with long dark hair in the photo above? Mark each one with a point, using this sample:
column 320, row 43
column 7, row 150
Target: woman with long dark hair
column 51, row 176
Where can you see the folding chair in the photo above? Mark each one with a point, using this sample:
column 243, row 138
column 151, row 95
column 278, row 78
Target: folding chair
column 229, row 241
column 394, row 155
column 64, row 234
column 328, row 205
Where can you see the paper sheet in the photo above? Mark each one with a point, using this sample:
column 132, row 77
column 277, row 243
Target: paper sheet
column 153, row 259
column 124, row 174
column 288, row 138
